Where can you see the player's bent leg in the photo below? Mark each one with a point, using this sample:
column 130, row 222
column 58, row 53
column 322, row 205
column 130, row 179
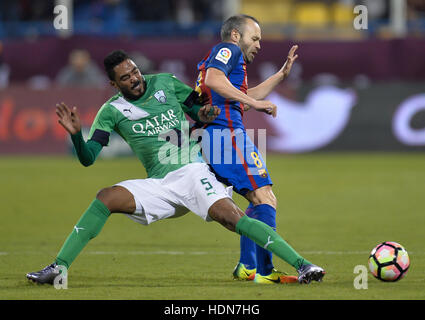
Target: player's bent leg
column 264, row 200
column 117, row 199
column 225, row 212
column 263, row 195
column 267, row 238
column 112, row 199
column 230, row 216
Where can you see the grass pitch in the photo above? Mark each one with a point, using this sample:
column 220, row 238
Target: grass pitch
column 332, row 208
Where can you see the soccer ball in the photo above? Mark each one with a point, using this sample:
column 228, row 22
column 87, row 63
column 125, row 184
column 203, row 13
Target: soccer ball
column 389, row 261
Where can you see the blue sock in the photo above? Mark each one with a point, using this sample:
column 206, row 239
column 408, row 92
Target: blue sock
column 248, row 247
column 267, row 214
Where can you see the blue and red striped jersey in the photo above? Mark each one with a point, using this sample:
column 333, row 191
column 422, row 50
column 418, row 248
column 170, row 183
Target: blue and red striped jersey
column 228, row 58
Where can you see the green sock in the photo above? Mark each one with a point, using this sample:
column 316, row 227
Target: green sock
column 88, row 227
column 267, row 238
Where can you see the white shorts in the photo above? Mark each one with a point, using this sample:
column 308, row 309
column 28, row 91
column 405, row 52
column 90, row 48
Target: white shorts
column 191, row 188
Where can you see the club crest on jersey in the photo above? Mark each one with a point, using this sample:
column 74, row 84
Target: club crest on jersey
column 160, row 96
column 263, row 173
column 224, row 55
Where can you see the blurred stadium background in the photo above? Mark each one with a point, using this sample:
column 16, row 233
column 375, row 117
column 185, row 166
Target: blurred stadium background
column 349, row 90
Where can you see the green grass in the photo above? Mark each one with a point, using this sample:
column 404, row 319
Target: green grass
column 332, row 208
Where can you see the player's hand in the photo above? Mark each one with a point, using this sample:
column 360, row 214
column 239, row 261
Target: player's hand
column 265, row 106
column 289, row 61
column 69, row 119
column 208, row 113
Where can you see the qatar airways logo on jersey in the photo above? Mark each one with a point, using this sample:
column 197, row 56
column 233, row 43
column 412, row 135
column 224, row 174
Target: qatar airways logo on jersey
column 155, row 125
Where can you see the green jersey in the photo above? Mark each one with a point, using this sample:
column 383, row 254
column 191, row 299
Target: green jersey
column 154, row 126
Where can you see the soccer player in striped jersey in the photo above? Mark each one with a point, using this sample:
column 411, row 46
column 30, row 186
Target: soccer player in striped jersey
column 234, row 158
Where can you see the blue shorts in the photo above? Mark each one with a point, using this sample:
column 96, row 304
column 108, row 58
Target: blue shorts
column 234, row 158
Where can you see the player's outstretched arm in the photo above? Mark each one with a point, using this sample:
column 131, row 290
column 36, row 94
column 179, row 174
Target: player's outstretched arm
column 217, row 81
column 262, row 90
column 70, row 120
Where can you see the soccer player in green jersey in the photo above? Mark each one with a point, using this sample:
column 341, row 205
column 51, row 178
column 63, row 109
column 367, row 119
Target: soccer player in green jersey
column 149, row 114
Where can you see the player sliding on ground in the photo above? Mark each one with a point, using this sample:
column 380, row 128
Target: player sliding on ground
column 149, row 114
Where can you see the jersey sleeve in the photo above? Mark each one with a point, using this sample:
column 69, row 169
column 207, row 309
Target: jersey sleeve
column 101, row 128
column 87, row 152
column 188, row 98
column 103, row 125
column 224, row 57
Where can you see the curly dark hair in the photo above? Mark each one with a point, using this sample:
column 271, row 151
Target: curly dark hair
column 112, row 60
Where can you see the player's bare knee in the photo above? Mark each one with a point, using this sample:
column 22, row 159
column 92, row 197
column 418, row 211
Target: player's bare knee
column 226, row 213
column 272, row 199
column 263, row 195
column 117, row 199
column 106, row 196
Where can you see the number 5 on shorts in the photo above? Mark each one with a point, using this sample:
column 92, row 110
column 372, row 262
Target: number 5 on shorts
column 205, row 181
column 208, row 185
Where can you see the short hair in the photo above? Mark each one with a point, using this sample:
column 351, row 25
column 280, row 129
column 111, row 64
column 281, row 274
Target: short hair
column 112, row 60
column 234, row 22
